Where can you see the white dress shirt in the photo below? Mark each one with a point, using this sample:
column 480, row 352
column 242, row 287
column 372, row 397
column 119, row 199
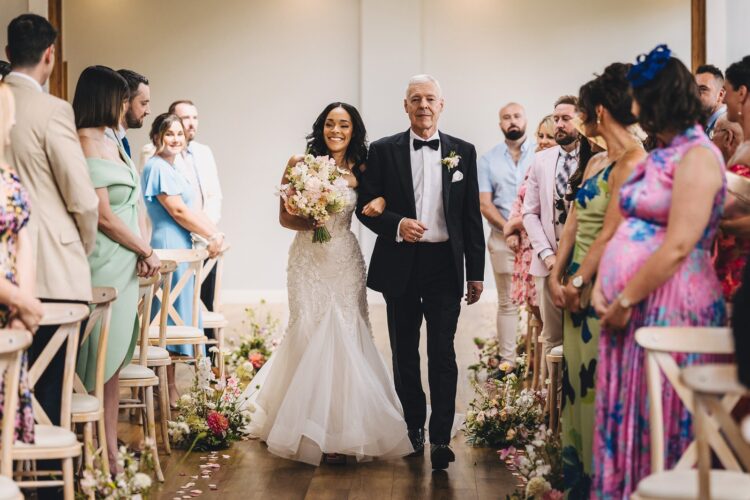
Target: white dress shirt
column 427, row 179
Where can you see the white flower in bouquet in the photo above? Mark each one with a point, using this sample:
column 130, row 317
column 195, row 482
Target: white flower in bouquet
column 141, row 481
column 316, row 189
column 537, row 487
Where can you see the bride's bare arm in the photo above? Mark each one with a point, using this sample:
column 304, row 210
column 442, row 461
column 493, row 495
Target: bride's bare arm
column 286, row 219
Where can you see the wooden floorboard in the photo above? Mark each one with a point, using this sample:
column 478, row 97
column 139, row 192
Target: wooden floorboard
column 251, row 472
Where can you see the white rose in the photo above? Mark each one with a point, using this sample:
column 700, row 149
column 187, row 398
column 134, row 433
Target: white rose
column 141, row 481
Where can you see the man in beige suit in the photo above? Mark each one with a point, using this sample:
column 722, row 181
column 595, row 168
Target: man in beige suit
column 48, row 157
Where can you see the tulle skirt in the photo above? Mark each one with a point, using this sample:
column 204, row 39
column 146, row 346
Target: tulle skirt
column 326, row 390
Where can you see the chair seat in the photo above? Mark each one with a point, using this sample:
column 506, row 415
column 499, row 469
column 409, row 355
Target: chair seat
column 683, row 484
column 134, row 370
column 212, row 319
column 154, row 352
column 84, row 403
column 49, row 436
column 176, row 332
column 557, row 350
column 8, row 489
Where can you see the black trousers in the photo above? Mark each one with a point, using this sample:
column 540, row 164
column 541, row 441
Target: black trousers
column 431, row 294
column 48, row 391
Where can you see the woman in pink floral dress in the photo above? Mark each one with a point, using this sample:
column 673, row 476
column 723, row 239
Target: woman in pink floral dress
column 651, row 269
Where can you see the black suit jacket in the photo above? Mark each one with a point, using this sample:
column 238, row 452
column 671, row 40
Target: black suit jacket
column 388, row 174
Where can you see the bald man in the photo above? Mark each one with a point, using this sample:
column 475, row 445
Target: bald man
column 727, row 136
column 501, row 171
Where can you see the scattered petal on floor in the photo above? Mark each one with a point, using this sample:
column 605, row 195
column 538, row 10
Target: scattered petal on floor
column 213, row 486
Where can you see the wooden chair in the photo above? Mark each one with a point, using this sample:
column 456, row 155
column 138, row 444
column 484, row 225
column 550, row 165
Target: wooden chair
column 155, row 357
column 55, row 442
column 710, row 385
column 533, row 355
column 162, row 334
column 12, row 345
column 214, row 319
column 659, row 343
column 140, row 378
column 554, row 358
column 87, row 408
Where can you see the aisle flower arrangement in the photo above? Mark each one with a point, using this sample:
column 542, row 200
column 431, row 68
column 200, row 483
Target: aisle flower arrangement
column 255, row 345
column 210, row 416
column 490, row 363
column 133, row 482
column 540, row 466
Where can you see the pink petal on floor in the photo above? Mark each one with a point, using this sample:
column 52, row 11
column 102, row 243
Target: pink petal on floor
column 195, row 493
column 226, row 456
column 213, row 486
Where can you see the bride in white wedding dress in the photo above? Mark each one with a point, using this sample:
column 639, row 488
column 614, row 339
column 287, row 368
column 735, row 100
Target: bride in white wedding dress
column 326, row 389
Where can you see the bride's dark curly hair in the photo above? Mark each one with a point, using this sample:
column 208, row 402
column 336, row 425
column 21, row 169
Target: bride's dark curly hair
column 356, row 153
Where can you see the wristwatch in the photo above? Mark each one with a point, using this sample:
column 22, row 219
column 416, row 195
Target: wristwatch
column 577, row 281
column 624, row 301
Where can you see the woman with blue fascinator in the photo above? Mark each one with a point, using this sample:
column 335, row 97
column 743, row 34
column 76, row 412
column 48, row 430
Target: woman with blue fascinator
column 652, row 267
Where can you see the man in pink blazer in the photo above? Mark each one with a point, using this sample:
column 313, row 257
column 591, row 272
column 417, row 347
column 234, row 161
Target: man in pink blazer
column 545, row 210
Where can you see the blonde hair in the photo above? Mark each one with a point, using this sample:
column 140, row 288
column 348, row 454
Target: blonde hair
column 548, row 124
column 7, row 112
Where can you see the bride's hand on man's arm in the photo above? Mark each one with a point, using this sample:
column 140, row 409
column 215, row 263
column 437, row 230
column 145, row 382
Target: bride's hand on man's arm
column 375, row 207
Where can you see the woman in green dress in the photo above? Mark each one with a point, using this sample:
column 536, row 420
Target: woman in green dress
column 121, row 254
column 605, row 112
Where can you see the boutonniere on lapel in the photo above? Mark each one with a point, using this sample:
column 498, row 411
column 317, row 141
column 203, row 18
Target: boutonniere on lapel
column 451, row 161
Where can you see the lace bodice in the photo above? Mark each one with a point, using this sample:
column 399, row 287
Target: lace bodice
column 328, row 275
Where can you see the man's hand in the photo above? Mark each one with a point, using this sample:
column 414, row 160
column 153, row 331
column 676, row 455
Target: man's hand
column 411, row 230
column 473, row 291
column 549, row 261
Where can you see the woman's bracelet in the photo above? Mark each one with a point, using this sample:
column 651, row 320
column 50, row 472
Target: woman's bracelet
column 144, row 257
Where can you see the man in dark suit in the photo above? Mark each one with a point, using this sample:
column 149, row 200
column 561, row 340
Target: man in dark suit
column 430, row 225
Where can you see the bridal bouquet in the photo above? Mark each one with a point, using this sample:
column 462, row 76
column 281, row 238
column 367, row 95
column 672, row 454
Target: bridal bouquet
column 316, row 190
column 133, row 482
column 253, row 348
column 210, row 415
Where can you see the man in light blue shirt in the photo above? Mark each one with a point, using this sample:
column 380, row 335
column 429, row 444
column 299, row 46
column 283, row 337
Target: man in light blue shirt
column 501, row 171
column 710, row 82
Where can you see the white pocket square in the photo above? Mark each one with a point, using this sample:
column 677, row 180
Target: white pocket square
column 457, row 176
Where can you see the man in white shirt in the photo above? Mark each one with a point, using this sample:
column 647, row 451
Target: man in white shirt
column 198, row 165
column 501, row 172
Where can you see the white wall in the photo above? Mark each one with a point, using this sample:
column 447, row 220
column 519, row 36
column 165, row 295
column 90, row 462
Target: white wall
column 12, row 9
column 261, row 71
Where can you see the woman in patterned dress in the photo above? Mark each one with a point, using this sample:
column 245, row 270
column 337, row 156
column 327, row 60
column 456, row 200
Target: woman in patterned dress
column 734, row 238
column 650, row 269
column 605, row 111
column 18, row 307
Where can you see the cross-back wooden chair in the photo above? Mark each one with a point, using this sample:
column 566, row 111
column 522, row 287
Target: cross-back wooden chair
column 55, row 442
column 89, row 408
column 659, row 343
column 710, row 384
column 184, row 330
column 139, row 376
column 12, row 345
column 214, row 319
column 155, row 357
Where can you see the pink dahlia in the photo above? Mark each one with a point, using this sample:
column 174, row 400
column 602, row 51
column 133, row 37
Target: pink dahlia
column 257, row 360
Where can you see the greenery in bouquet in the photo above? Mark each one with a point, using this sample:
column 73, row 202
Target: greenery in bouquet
column 252, row 349
column 132, row 482
column 211, row 416
column 540, row 466
column 503, row 413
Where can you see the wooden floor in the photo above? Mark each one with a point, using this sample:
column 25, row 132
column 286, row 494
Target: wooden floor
column 247, row 471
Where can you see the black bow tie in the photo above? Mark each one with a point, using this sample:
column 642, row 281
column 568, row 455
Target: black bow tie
column 434, row 144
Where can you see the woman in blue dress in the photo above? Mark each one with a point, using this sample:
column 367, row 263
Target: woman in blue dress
column 171, row 202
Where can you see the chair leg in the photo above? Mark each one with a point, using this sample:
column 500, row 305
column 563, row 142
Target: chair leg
column 151, row 432
column 102, row 437
column 133, row 411
column 88, row 445
column 529, row 332
column 164, row 411
column 220, row 354
column 554, row 412
column 68, row 490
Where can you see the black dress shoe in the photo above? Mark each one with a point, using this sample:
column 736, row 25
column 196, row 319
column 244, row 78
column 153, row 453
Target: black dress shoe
column 441, row 455
column 416, row 436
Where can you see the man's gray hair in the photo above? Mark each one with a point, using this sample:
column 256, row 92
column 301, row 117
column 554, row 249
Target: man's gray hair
column 417, row 79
